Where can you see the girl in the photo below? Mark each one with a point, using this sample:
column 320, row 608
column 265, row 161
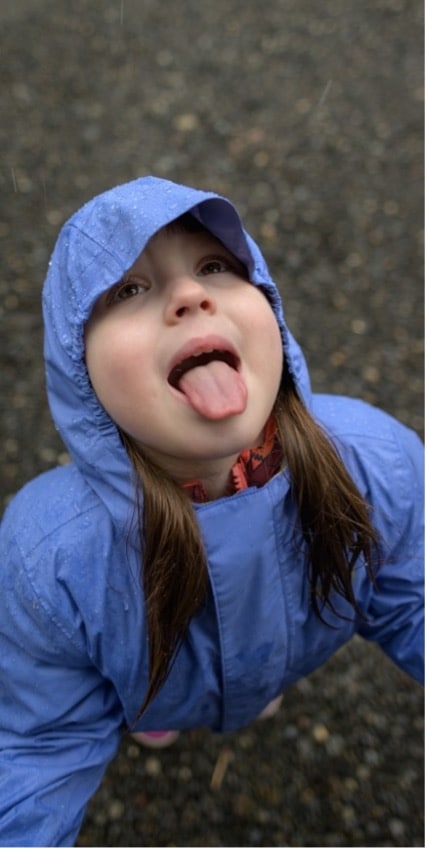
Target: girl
column 220, row 531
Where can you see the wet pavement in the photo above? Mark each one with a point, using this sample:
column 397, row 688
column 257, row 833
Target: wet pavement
column 310, row 117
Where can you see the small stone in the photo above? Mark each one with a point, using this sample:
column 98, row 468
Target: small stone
column 320, row 733
column 153, row 767
column 391, row 208
column 63, row 458
column 358, row 326
column 185, row 773
column 133, row 751
column 397, row 827
column 186, row 122
column 116, row 809
column 371, row 374
column 354, row 260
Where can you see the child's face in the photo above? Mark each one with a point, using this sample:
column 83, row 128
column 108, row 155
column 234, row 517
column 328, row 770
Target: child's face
column 186, row 296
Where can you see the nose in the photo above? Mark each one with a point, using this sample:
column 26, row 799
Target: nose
column 187, row 295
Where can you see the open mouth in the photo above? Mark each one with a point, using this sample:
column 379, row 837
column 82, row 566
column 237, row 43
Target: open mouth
column 201, row 359
column 207, row 374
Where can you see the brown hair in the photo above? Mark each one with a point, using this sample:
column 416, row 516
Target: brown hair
column 333, row 519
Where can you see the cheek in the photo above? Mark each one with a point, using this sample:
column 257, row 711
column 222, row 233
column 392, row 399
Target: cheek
column 109, row 363
column 279, row 354
column 275, row 358
column 270, row 336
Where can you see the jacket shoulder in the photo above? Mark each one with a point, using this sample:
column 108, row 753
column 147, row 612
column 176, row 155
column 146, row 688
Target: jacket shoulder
column 358, row 427
column 385, row 459
column 349, row 416
column 51, row 502
column 49, row 550
column 62, row 564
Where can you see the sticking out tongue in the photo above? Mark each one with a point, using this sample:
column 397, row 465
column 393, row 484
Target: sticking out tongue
column 214, row 390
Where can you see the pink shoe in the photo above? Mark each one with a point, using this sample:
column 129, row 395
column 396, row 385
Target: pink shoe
column 156, row 739
column 271, row 708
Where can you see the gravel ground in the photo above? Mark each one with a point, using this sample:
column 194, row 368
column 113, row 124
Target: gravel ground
column 309, row 115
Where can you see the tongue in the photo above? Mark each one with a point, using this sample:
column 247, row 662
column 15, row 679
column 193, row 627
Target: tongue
column 214, row 390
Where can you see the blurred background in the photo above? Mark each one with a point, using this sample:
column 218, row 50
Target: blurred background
column 309, row 116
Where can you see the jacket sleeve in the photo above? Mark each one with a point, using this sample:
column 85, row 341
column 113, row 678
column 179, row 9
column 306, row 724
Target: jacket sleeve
column 395, row 616
column 59, row 719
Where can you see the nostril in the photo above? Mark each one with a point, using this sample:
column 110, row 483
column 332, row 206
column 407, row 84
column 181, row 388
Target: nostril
column 204, row 305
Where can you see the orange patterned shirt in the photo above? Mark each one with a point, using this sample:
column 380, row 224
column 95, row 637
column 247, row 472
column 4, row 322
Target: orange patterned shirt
column 254, row 467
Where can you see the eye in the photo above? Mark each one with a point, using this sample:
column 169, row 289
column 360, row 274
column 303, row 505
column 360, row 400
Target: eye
column 215, row 265
column 126, row 289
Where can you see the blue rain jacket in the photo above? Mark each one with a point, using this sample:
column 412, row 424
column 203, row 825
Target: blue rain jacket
column 73, row 647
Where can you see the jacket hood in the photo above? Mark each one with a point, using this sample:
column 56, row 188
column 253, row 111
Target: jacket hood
column 94, row 248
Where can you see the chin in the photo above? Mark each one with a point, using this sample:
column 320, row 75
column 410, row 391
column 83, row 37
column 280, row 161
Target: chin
column 228, row 441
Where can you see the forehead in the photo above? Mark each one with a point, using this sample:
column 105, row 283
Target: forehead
column 176, row 238
column 178, row 234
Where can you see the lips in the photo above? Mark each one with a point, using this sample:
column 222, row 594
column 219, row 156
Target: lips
column 201, row 351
